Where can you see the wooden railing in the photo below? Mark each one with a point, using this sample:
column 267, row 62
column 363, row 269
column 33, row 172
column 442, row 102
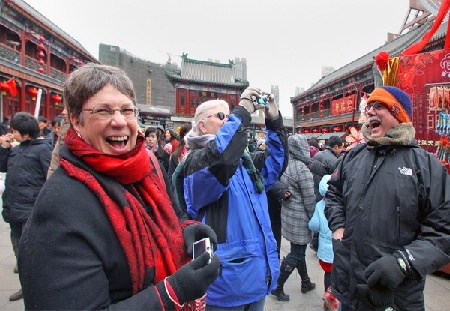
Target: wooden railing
column 9, row 53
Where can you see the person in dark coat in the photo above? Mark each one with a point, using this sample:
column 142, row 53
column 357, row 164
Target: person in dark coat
column 151, row 140
column 388, row 206
column 57, row 124
column 4, row 126
column 26, row 167
column 324, row 162
column 109, row 237
column 44, row 130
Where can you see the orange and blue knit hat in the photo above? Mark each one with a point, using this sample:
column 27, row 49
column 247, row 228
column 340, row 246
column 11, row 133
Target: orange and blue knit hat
column 398, row 102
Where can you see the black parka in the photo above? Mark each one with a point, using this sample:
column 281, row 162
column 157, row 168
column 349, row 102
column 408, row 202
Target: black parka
column 388, row 198
column 26, row 166
column 323, row 163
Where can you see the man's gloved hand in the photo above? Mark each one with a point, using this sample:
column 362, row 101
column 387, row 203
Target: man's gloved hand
column 196, row 232
column 271, row 110
column 385, row 273
column 192, row 280
column 381, row 298
column 246, row 99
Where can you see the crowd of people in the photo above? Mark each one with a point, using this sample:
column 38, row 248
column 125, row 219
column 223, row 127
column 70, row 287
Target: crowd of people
column 105, row 215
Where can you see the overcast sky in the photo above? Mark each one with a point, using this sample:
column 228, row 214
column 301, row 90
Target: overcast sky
column 285, row 42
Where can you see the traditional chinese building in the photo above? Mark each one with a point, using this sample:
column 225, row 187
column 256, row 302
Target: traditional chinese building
column 331, row 105
column 199, row 81
column 35, row 58
column 155, row 95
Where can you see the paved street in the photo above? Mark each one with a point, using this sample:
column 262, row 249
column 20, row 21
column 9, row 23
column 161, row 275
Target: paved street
column 437, row 297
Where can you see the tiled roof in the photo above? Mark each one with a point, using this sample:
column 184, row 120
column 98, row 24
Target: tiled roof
column 394, row 48
column 205, row 71
column 44, row 20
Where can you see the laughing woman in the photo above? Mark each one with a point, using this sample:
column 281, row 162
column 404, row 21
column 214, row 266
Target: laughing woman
column 108, row 238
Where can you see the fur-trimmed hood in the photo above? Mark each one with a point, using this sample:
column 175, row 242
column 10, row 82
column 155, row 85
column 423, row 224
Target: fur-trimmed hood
column 402, row 134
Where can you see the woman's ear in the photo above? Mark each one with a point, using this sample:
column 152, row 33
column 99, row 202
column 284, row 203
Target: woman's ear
column 75, row 122
column 201, row 127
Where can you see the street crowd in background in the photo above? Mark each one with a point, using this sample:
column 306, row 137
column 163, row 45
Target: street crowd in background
column 101, row 209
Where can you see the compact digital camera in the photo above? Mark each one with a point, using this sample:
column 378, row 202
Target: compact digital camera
column 262, row 99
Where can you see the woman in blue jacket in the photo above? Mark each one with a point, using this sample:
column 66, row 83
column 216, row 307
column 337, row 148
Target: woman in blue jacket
column 223, row 189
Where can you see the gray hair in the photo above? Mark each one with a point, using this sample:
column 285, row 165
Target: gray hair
column 87, row 80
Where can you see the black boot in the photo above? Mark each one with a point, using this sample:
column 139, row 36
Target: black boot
column 285, row 272
column 307, row 285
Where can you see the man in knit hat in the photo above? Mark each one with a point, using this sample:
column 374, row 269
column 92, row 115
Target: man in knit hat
column 388, row 206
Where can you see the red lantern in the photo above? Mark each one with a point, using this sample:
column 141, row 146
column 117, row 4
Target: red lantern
column 56, row 98
column 41, row 70
column 325, row 130
column 4, row 87
column 307, row 131
column 41, row 54
column 40, row 61
column 337, row 129
column 33, row 92
column 315, row 131
column 41, row 47
column 41, row 38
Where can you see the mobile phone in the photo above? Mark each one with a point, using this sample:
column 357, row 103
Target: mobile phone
column 201, row 246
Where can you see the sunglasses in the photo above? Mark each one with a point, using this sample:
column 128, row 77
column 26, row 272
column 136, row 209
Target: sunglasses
column 220, row 115
column 376, row 106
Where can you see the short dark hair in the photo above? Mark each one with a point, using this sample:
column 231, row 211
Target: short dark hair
column 42, row 119
column 26, row 124
column 57, row 120
column 149, row 130
column 334, row 140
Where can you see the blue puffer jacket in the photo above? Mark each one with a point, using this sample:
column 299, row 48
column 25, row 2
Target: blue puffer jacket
column 219, row 192
column 319, row 223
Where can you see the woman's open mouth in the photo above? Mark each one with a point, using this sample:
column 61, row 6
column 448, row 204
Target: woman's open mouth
column 117, row 142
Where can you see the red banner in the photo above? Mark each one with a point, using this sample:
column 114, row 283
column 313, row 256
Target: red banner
column 343, row 105
column 424, row 76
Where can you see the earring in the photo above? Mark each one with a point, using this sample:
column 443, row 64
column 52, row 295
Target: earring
column 79, row 135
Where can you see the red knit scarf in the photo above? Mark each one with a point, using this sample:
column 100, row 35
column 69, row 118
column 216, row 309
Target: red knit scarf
column 148, row 241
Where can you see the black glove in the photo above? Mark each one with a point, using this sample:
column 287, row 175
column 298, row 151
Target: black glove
column 192, row 280
column 196, row 232
column 385, row 273
column 381, row 298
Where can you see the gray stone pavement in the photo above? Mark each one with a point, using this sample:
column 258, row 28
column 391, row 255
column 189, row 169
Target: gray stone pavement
column 437, row 297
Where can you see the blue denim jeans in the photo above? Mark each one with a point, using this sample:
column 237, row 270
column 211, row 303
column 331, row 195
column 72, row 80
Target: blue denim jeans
column 254, row 306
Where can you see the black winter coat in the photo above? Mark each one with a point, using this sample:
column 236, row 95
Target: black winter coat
column 71, row 257
column 323, row 163
column 387, row 199
column 26, row 166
